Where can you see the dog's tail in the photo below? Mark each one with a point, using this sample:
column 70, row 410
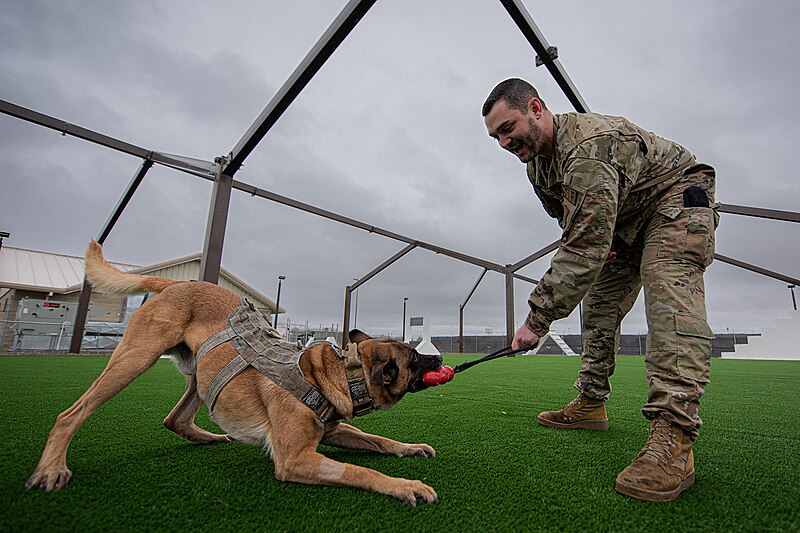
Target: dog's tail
column 107, row 278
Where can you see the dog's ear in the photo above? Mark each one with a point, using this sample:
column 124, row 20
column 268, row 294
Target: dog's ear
column 383, row 373
column 356, row 336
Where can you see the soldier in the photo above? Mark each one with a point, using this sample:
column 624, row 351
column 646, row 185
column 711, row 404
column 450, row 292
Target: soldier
column 636, row 210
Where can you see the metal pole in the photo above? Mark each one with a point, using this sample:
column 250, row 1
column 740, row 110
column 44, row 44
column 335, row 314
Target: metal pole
column 252, row 190
column 375, row 271
column 772, row 214
column 580, row 319
column 211, row 259
column 405, row 302
column 116, row 213
column 80, row 318
column 534, row 36
column 794, row 302
column 461, row 311
column 339, row 29
column 510, row 330
column 346, row 321
column 278, row 302
column 126, row 197
column 355, row 307
column 7, row 308
column 460, row 329
column 192, row 166
column 535, row 255
column 757, row 269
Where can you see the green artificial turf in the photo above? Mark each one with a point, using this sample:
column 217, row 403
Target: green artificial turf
column 495, row 468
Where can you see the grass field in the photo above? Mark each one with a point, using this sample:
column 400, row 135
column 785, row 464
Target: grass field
column 495, row 468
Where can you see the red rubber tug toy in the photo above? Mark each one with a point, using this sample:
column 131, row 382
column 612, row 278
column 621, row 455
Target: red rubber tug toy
column 445, row 373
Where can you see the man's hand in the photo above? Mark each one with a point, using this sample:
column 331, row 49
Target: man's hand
column 524, row 337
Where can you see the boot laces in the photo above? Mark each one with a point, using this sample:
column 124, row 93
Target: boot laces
column 575, row 404
column 659, row 442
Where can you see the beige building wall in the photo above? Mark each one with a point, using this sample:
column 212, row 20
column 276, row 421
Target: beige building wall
column 190, row 271
column 182, row 272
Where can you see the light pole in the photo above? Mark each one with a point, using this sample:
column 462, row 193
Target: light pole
column 278, row 302
column 355, row 310
column 404, row 318
column 794, row 302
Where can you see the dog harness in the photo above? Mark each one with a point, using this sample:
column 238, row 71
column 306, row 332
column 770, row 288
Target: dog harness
column 259, row 345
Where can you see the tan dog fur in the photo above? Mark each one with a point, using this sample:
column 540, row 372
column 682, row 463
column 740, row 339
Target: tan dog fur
column 251, row 408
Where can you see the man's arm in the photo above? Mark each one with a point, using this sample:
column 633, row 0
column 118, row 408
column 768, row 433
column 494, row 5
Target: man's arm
column 591, row 189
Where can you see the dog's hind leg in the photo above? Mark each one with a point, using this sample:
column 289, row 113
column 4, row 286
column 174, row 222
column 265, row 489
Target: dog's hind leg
column 132, row 357
column 181, row 419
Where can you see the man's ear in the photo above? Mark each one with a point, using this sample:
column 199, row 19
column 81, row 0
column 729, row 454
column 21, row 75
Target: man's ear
column 356, row 336
column 535, row 106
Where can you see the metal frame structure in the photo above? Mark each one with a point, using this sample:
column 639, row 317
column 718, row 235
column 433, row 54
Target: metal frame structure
column 222, row 170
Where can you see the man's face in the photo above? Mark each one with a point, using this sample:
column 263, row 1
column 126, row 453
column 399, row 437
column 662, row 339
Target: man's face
column 519, row 133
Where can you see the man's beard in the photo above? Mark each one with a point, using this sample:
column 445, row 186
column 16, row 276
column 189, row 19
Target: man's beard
column 533, row 140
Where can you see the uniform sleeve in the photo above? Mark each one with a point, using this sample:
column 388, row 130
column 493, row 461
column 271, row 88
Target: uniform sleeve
column 591, row 194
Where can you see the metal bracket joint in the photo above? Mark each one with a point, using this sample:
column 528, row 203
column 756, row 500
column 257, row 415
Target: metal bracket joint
column 552, row 55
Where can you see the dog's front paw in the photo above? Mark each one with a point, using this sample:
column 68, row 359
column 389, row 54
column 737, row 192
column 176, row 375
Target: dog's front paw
column 418, row 450
column 49, row 480
column 411, row 492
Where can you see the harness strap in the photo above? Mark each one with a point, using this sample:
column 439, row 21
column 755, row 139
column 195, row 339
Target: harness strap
column 356, row 382
column 230, row 371
column 257, row 344
column 212, row 342
column 663, row 177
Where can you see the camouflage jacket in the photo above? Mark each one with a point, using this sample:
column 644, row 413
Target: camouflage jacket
column 587, row 185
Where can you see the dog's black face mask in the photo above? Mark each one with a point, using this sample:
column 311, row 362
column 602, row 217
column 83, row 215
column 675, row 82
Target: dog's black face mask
column 394, row 368
column 420, row 364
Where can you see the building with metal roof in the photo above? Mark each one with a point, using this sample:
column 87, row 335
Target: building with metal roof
column 53, row 281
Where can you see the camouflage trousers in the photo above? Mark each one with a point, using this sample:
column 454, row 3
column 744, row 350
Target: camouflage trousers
column 668, row 259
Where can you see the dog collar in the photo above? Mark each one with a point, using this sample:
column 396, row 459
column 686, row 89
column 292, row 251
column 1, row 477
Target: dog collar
column 356, row 381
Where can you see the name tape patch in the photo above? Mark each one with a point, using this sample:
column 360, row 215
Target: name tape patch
column 358, row 389
column 313, row 399
column 570, row 195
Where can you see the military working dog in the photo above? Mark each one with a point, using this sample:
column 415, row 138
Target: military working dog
column 185, row 318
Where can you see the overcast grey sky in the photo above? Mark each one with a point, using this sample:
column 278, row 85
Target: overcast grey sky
column 388, row 132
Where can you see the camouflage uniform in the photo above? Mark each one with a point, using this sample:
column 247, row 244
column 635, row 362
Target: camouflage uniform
column 594, row 184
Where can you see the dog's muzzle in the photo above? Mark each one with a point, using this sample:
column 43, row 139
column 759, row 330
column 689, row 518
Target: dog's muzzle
column 422, row 363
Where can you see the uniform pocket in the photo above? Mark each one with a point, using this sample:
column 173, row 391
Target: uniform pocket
column 700, row 235
column 687, row 233
column 694, row 347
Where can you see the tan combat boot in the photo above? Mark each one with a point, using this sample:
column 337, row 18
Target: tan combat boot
column 663, row 469
column 581, row 413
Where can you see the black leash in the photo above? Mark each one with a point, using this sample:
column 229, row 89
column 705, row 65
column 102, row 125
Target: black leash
column 502, row 352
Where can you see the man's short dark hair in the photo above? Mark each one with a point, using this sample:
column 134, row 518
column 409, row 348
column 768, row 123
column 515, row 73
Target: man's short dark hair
column 515, row 92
